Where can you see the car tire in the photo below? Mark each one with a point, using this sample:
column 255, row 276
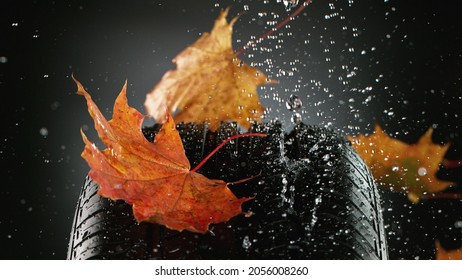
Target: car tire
column 314, row 199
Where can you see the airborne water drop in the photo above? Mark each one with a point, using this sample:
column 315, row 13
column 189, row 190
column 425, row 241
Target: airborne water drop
column 290, row 4
column 294, row 102
column 246, row 242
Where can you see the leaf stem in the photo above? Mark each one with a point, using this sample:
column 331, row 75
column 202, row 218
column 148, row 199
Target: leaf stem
column 450, row 163
column 224, row 143
column 273, row 29
column 443, row 196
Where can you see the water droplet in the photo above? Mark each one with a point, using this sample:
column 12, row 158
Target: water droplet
column 318, row 200
column 294, row 102
column 55, row 105
column 296, row 118
column 246, row 242
column 290, row 4
column 422, row 171
column 44, row 132
column 395, row 168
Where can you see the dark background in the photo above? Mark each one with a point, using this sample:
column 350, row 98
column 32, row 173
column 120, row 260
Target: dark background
column 353, row 63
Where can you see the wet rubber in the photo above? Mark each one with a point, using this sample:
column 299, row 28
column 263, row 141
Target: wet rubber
column 314, row 199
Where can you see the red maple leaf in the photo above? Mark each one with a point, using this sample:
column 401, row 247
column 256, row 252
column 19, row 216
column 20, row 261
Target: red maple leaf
column 154, row 177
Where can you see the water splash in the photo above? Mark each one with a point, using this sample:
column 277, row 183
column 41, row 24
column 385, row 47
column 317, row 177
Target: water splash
column 314, row 217
column 294, row 103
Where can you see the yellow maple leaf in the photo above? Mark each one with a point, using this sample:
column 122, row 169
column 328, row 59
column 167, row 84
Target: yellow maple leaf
column 210, row 83
column 442, row 254
column 409, row 168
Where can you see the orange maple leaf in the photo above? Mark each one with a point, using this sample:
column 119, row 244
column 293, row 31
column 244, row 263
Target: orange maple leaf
column 443, row 254
column 210, row 83
column 400, row 166
column 154, row 177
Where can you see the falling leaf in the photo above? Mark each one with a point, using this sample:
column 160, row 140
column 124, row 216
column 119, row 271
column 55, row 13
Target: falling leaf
column 400, row 166
column 154, row 177
column 442, row 254
column 210, row 83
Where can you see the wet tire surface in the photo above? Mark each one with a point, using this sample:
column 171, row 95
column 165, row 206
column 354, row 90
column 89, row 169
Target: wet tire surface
column 314, row 199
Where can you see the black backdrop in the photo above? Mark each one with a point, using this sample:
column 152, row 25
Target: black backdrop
column 353, row 63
